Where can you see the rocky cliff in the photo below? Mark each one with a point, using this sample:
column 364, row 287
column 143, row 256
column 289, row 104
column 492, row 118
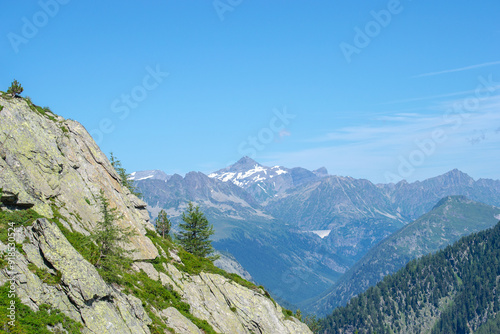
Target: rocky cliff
column 47, row 161
column 51, row 167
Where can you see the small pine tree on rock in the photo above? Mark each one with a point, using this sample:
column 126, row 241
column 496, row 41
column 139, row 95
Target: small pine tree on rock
column 163, row 224
column 108, row 236
column 195, row 232
column 15, row 89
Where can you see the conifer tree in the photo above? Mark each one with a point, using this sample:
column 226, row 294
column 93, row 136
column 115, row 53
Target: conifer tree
column 15, row 89
column 195, row 232
column 163, row 224
column 111, row 257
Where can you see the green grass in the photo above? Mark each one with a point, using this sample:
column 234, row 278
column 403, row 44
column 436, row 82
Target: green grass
column 287, row 313
column 44, row 275
column 14, row 219
column 159, row 242
column 82, row 243
column 45, row 111
column 194, row 265
column 28, row 321
column 147, row 289
column 1, row 108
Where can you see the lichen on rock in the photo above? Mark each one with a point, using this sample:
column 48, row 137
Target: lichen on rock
column 43, row 165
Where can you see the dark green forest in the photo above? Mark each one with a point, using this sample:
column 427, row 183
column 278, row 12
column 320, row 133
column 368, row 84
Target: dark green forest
column 454, row 290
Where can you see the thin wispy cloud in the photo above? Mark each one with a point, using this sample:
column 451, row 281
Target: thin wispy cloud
column 376, row 147
column 440, row 96
column 466, row 68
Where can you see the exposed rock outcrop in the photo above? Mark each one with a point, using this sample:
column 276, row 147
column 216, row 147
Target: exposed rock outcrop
column 81, row 294
column 47, row 160
column 226, row 305
column 175, row 320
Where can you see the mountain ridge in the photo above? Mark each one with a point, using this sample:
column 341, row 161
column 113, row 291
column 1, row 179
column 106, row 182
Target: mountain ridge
column 351, row 215
column 451, row 218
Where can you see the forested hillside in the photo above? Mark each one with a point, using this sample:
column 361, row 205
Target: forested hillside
column 452, row 291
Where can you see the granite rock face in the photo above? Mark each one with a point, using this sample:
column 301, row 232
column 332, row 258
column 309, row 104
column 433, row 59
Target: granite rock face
column 81, row 294
column 175, row 320
column 224, row 304
column 48, row 161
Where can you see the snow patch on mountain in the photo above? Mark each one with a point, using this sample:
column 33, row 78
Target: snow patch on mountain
column 144, row 178
column 321, row 233
column 149, row 174
column 388, row 215
column 243, row 178
column 279, row 171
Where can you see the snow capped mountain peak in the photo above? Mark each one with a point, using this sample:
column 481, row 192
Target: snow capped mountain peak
column 247, row 172
column 264, row 182
column 149, row 174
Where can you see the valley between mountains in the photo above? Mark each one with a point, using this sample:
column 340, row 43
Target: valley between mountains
column 300, row 232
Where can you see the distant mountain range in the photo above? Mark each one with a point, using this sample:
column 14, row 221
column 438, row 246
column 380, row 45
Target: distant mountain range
column 292, row 264
column 451, row 218
column 415, row 199
column 277, row 213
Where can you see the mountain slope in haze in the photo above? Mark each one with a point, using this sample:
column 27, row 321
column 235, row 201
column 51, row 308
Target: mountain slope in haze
column 416, row 198
column 455, row 290
column 452, row 218
column 291, row 264
column 354, row 211
column 358, row 214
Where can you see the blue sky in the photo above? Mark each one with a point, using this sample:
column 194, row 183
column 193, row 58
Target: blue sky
column 381, row 90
